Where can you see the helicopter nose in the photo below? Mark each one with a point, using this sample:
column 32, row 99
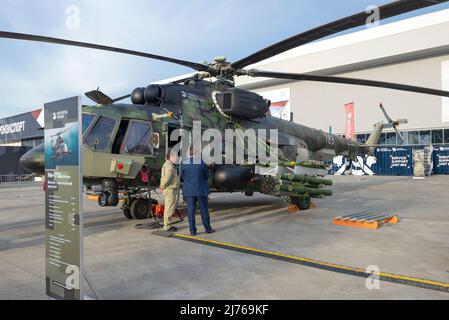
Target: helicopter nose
column 34, row 160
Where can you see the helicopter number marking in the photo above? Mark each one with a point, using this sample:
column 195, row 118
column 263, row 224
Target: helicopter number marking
column 330, row 140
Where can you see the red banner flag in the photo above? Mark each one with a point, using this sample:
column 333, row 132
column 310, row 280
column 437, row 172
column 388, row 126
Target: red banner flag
column 350, row 126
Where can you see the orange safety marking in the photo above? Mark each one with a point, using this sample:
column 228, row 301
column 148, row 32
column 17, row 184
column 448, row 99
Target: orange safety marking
column 293, row 208
column 365, row 222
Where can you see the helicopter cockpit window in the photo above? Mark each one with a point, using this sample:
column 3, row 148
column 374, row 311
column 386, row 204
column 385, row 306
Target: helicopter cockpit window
column 100, row 135
column 138, row 138
column 87, row 120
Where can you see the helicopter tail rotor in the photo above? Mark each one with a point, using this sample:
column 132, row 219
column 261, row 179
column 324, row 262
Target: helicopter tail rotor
column 393, row 123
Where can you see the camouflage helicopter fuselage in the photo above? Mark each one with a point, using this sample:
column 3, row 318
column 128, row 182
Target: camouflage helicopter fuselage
column 298, row 171
column 301, row 149
column 192, row 102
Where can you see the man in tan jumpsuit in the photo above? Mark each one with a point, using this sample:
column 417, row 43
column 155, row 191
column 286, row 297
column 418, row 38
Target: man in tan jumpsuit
column 170, row 189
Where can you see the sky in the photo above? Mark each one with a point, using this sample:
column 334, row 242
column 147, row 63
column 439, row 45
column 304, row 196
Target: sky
column 32, row 74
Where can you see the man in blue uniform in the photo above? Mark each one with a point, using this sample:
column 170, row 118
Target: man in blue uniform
column 195, row 174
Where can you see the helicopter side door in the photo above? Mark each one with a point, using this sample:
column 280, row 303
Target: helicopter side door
column 133, row 144
column 117, row 148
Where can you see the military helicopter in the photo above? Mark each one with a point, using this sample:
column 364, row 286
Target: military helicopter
column 124, row 145
column 60, row 148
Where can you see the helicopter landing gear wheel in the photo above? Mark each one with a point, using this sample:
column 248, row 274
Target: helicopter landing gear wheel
column 127, row 213
column 139, row 209
column 103, row 200
column 107, row 199
column 303, row 203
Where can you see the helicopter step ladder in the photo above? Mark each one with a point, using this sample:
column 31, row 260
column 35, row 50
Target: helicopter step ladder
column 366, row 220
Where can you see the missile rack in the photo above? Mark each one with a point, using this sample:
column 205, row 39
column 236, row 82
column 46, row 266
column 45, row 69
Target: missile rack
column 298, row 188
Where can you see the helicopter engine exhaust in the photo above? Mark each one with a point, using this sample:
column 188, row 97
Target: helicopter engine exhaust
column 138, row 96
column 153, row 94
column 242, row 104
column 149, row 95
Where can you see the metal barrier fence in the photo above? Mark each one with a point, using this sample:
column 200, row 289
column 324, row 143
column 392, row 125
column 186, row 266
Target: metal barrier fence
column 14, row 186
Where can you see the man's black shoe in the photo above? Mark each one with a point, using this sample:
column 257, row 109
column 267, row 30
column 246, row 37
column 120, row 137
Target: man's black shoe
column 193, row 234
column 211, row 231
column 172, row 229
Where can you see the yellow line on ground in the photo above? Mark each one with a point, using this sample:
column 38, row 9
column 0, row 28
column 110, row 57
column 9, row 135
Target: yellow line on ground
column 322, row 263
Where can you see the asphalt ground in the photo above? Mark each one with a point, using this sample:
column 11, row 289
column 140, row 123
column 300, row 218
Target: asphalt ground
column 126, row 263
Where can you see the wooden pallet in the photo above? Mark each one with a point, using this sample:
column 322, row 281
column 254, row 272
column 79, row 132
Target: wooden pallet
column 365, row 220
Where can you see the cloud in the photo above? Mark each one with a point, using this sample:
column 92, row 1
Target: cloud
column 35, row 73
column 197, row 30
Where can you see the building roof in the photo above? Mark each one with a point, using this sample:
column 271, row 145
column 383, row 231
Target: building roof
column 408, row 39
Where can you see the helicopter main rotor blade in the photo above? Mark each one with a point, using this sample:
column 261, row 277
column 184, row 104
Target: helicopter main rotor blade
column 36, row 38
column 341, row 80
column 356, row 20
